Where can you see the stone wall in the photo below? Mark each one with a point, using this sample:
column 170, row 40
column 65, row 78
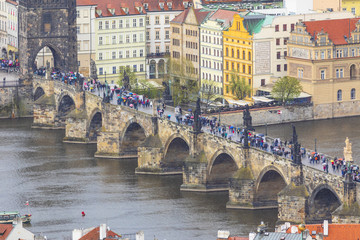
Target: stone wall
column 17, row 101
column 262, row 116
column 337, row 110
column 7, row 98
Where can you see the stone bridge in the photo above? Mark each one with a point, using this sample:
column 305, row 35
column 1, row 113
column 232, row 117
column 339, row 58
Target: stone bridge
column 255, row 179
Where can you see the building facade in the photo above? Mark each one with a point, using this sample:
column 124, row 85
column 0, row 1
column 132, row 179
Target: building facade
column 159, row 14
column 184, row 46
column 352, row 6
column 211, row 52
column 12, row 28
column 85, row 20
column 3, row 33
column 324, row 56
column 120, row 39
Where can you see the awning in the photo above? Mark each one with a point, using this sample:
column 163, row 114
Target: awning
column 238, row 102
column 262, row 99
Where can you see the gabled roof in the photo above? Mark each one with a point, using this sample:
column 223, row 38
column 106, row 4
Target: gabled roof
column 336, row 231
column 225, row 15
column 200, row 15
column 85, row 3
column 94, row 235
column 5, row 230
column 336, row 29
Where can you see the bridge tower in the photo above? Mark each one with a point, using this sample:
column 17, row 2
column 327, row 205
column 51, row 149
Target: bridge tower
column 47, row 23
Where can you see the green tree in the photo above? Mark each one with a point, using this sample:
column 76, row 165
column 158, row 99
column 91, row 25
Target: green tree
column 238, row 86
column 185, row 87
column 130, row 73
column 286, row 89
column 208, row 94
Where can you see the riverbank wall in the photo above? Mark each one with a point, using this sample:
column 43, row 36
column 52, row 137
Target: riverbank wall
column 16, row 101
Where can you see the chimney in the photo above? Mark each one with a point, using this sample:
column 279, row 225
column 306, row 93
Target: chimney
column 326, row 227
column 102, row 231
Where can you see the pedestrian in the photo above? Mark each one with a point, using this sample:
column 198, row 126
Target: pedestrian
column 4, row 79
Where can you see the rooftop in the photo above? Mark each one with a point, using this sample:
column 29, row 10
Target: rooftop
column 94, row 235
column 200, row 15
column 5, row 230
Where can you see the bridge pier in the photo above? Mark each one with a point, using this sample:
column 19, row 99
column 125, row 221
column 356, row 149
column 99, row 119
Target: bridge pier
column 195, row 174
column 45, row 113
column 108, row 145
column 76, row 128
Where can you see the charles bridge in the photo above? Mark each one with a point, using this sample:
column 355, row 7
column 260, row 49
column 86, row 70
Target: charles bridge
column 255, row 179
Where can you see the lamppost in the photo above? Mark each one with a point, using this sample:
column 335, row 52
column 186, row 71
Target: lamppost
column 105, row 76
column 315, row 145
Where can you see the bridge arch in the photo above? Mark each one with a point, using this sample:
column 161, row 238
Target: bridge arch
column 177, row 149
column 39, row 92
column 268, row 184
column 132, row 136
column 322, row 202
column 94, row 125
column 59, row 61
column 220, row 169
column 65, row 105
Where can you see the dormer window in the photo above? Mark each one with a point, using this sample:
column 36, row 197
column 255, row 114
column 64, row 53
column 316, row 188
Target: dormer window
column 186, row 4
column 112, row 11
column 98, row 12
column 126, row 10
column 169, row 4
column 139, row 9
column 161, row 5
column 146, row 6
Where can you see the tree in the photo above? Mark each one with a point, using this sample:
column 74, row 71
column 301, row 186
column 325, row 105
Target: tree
column 130, row 73
column 286, row 89
column 208, row 94
column 185, row 87
column 238, row 86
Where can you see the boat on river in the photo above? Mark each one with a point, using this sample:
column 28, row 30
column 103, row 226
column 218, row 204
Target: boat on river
column 9, row 217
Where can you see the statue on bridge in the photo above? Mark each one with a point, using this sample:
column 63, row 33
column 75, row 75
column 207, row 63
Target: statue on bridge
column 93, row 71
column 348, row 151
column 197, row 113
column 126, row 81
column 247, row 119
column 295, row 148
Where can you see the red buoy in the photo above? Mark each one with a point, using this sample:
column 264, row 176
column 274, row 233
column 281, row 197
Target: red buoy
column 83, row 214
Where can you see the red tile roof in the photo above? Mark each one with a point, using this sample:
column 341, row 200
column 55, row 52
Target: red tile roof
column 153, row 6
column 238, row 238
column 5, row 230
column 224, row 15
column 336, row 231
column 200, row 15
column 94, row 235
column 12, row 2
column 336, row 29
column 85, row 3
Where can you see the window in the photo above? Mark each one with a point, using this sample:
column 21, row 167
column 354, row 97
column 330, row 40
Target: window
column 353, row 11
column 121, row 23
column 167, row 20
column 249, row 69
column 127, row 54
column 147, row 20
column 157, row 20
column 292, row 27
column 249, row 56
column 286, row 40
column 322, row 54
column 243, row 53
column 339, row 73
column 114, row 39
column 339, row 53
column 120, row 54
column 113, row 55
column 278, row 68
column 322, row 74
column 100, row 56
column 134, row 38
column 141, row 37
column 285, row 53
column 353, row 94
column 243, row 70
column 100, row 25
column 101, row 71
column 167, row 49
column 277, row 41
column 134, row 53
column 148, row 36
column 300, row 73
column 278, row 55
column 141, row 52
column 276, row 28
column 77, row 13
column 113, row 25
column 262, row 82
column 127, row 22
column 167, row 34
column 100, row 40
column 141, row 67
column 106, row 24
column 157, row 49
column 114, row 70
column 134, row 22
column 127, row 38
column 285, row 67
column 120, row 38
column 284, row 27
column 141, row 22
column 77, row 29
column 134, row 68
column 339, row 95
column 157, row 35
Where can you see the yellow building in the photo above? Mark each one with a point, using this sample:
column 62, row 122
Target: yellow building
column 324, row 56
column 352, row 6
column 238, row 51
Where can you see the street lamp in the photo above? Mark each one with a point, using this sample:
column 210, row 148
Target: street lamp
column 105, row 76
column 315, row 145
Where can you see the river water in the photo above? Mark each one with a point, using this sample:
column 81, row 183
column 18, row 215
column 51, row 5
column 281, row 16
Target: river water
column 61, row 180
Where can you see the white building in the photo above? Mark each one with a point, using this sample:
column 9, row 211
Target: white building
column 158, row 16
column 3, row 33
column 12, row 28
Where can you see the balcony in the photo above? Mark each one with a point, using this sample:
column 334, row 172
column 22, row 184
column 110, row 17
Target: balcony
column 158, row 55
